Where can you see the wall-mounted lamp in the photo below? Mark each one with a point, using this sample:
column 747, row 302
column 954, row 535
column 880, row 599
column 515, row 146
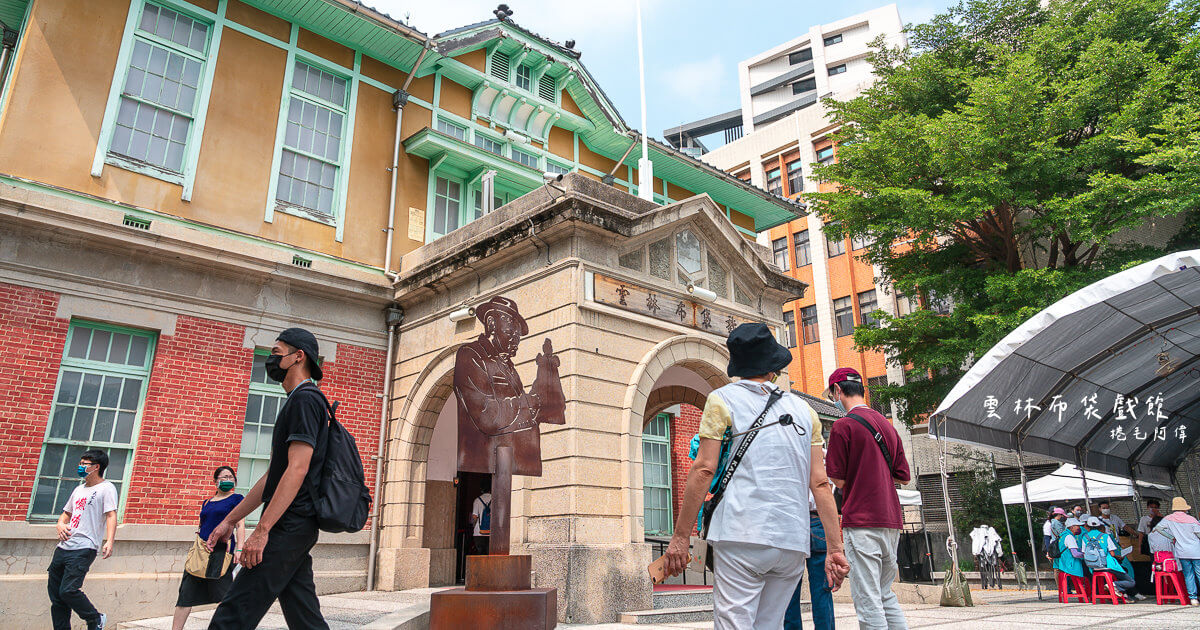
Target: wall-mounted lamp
column 462, row 314
column 702, row 294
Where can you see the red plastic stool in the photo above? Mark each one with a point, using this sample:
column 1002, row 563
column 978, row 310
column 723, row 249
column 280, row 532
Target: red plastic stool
column 1081, row 589
column 1168, row 587
column 1110, row 593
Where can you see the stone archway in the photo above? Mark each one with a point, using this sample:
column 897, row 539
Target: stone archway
column 645, row 397
column 403, row 560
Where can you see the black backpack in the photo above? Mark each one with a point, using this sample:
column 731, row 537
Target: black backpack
column 341, row 496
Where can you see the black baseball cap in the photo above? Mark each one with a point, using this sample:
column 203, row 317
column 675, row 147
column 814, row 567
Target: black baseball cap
column 301, row 339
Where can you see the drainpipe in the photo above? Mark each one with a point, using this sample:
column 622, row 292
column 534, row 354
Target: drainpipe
column 394, row 317
column 399, row 99
column 7, row 44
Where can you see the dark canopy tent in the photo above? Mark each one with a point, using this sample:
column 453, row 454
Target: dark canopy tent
column 1108, row 378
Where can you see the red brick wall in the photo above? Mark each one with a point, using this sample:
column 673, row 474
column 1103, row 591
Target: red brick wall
column 192, row 420
column 31, row 346
column 685, row 425
column 193, row 414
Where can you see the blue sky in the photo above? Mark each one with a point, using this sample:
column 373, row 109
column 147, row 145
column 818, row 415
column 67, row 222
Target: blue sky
column 692, row 46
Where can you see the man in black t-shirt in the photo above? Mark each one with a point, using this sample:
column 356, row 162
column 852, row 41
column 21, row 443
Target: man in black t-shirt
column 276, row 557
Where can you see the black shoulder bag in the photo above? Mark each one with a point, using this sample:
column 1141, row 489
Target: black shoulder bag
column 887, row 455
column 710, row 506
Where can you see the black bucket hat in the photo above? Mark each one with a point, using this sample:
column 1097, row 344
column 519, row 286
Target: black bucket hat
column 753, row 351
column 301, row 339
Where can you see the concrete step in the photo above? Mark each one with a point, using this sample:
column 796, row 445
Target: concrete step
column 685, row 614
column 683, row 598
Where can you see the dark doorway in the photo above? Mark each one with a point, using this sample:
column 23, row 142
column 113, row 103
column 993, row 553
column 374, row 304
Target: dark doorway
column 468, row 487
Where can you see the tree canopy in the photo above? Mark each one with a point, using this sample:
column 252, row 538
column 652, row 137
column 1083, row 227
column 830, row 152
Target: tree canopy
column 1012, row 153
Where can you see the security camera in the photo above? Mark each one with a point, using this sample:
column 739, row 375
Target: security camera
column 551, row 178
column 462, row 314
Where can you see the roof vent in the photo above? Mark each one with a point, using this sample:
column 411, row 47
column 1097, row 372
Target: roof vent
column 546, row 88
column 500, row 66
column 302, row 263
column 136, row 222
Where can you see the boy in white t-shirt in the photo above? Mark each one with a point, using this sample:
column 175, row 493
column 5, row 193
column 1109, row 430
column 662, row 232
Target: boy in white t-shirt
column 89, row 517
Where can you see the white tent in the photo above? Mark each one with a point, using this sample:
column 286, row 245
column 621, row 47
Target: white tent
column 909, row 497
column 1065, row 484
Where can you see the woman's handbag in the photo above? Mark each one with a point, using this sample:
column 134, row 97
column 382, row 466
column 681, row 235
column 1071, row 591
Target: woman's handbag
column 205, row 565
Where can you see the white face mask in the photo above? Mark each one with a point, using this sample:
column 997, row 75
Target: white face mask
column 1105, row 511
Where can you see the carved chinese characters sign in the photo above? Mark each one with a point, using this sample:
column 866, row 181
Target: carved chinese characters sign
column 648, row 301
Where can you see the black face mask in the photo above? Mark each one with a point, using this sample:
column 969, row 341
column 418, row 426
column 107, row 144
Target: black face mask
column 274, row 371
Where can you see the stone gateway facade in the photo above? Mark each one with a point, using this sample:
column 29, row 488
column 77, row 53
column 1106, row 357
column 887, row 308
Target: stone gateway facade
column 605, row 277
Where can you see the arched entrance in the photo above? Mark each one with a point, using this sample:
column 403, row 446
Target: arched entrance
column 681, row 370
column 416, row 546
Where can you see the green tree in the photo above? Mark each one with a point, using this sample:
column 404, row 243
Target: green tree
column 1008, row 157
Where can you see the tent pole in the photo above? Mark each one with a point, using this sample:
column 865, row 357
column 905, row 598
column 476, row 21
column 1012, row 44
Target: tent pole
column 1137, row 496
column 1037, row 577
column 924, row 529
column 1086, row 498
column 1007, row 527
column 951, row 543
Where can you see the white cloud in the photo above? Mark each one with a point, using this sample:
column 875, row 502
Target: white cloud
column 699, row 81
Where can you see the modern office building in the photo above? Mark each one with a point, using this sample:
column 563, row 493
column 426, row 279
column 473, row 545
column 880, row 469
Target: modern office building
column 786, row 131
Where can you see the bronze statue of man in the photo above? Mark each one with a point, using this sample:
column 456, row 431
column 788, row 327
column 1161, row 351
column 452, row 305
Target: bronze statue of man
column 493, row 408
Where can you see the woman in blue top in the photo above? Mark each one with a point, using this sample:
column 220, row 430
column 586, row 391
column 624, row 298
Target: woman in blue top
column 195, row 591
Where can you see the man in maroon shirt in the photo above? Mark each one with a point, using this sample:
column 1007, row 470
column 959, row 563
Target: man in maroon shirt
column 871, row 516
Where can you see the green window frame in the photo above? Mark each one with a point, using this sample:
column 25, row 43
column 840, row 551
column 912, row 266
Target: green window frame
column 451, row 129
column 525, row 77
column 524, row 158
column 446, row 208
column 154, row 120
column 98, row 403
column 264, row 397
column 313, row 143
column 552, row 167
column 657, row 499
column 304, row 151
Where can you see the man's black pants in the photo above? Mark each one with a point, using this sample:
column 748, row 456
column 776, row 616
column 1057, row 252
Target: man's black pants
column 285, row 573
column 67, row 570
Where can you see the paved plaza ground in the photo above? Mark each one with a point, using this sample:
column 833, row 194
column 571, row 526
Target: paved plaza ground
column 1004, row 610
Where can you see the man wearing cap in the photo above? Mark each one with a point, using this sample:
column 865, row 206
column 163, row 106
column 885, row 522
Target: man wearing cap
column 871, row 516
column 276, row 563
column 759, row 532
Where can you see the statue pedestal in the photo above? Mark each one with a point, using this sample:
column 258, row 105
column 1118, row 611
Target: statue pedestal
column 497, row 597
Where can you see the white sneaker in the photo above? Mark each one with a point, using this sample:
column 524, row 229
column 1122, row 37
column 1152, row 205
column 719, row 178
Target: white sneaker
column 1196, row 602
column 1138, row 596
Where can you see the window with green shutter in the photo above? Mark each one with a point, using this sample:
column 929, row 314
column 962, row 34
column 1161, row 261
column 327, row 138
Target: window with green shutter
column 161, row 91
column 97, row 404
column 656, row 476
column 263, row 401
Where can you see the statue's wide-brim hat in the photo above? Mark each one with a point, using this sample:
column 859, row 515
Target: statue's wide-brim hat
column 501, row 305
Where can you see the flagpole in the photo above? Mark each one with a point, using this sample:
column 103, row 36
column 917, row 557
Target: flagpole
column 645, row 168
